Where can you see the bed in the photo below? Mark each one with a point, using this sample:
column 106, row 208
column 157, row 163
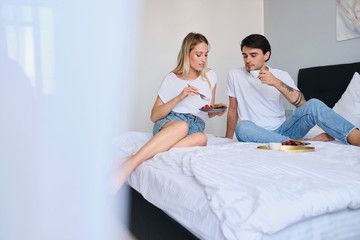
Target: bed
column 232, row 190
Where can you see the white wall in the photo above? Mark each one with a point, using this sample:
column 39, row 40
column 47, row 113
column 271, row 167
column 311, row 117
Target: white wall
column 166, row 23
column 303, row 34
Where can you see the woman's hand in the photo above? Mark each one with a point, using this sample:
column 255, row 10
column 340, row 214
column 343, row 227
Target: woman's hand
column 219, row 114
column 188, row 91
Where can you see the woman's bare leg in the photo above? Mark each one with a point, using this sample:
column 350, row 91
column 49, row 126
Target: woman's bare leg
column 171, row 133
column 195, row 139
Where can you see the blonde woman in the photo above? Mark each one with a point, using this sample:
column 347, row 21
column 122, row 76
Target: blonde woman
column 178, row 120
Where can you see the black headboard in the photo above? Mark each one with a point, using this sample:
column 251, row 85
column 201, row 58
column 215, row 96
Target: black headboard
column 326, row 83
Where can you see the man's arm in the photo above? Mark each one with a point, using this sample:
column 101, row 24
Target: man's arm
column 295, row 97
column 232, row 118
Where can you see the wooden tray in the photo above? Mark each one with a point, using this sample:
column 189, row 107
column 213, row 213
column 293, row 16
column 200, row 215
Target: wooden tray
column 291, row 149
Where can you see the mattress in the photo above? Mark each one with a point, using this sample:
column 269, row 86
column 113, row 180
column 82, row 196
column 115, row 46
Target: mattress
column 231, row 190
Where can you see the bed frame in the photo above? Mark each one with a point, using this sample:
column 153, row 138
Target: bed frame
column 326, row 83
column 146, row 221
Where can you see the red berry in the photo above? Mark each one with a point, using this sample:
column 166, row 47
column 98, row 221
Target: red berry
column 206, row 107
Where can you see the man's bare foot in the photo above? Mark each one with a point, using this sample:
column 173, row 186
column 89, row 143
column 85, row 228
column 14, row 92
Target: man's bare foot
column 354, row 137
column 323, row 137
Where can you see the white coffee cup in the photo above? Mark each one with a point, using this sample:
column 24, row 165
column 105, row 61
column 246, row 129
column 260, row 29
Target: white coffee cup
column 255, row 73
column 274, row 146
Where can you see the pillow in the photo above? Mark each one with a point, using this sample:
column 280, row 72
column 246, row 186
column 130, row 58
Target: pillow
column 348, row 105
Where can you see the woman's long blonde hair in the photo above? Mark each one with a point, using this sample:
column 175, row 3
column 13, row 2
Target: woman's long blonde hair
column 183, row 62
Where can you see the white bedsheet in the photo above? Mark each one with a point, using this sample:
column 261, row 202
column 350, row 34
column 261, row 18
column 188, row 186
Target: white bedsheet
column 256, row 193
column 166, row 187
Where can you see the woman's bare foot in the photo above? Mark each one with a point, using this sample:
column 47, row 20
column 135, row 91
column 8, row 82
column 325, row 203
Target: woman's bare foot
column 118, row 162
column 118, row 176
column 323, row 137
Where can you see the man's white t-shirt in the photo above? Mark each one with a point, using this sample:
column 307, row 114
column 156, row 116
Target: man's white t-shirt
column 172, row 86
column 257, row 102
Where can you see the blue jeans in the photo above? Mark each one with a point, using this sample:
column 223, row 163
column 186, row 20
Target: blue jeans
column 194, row 123
column 298, row 125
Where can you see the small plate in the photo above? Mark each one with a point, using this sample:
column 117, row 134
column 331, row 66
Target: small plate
column 219, row 109
column 291, row 149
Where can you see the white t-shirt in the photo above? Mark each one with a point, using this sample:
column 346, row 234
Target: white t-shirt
column 172, row 86
column 257, row 102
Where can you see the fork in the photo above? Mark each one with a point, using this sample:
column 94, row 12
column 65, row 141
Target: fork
column 202, row 96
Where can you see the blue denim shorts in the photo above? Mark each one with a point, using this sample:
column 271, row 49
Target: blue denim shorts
column 194, row 123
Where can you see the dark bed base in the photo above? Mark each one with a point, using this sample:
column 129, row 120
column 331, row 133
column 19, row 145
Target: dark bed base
column 150, row 223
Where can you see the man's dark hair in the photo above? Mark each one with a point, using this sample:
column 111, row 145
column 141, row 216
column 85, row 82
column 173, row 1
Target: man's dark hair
column 257, row 41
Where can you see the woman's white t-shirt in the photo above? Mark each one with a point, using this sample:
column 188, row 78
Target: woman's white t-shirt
column 257, row 102
column 172, row 86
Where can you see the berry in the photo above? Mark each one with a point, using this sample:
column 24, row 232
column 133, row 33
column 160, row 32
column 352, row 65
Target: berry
column 206, row 107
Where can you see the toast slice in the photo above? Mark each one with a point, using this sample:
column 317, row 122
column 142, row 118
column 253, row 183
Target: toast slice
column 217, row 105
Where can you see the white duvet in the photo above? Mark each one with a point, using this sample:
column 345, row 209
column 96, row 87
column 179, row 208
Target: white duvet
column 256, row 192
